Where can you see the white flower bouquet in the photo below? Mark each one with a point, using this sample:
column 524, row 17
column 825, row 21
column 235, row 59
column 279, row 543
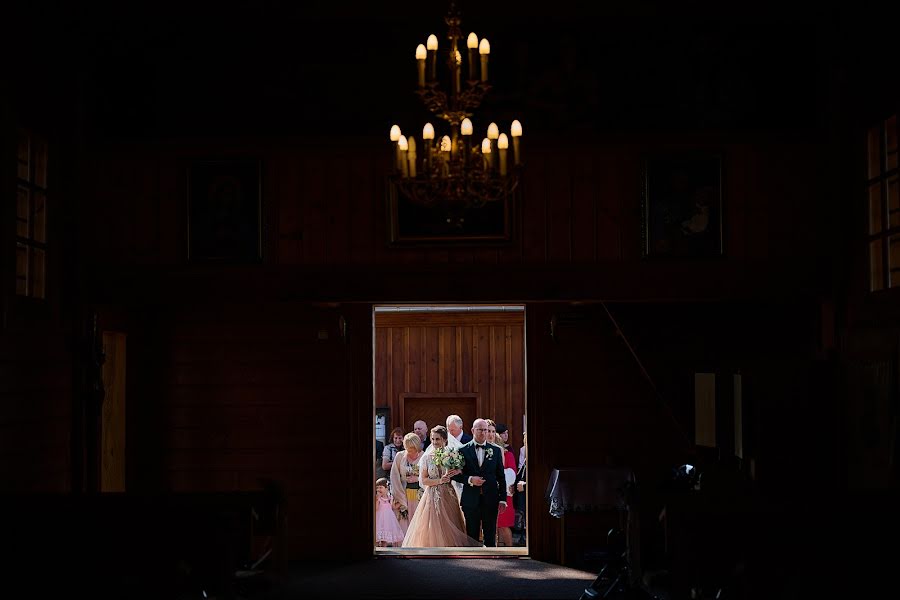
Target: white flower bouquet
column 448, row 459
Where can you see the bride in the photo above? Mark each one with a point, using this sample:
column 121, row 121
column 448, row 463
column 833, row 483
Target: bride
column 438, row 520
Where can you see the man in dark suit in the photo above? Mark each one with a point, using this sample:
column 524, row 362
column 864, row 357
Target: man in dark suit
column 484, row 484
column 455, row 428
column 421, row 429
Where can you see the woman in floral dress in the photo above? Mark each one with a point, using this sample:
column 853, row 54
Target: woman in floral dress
column 405, row 479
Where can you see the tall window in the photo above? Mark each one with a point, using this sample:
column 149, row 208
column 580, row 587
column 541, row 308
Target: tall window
column 31, row 216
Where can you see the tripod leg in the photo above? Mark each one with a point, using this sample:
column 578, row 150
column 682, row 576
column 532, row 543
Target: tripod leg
column 612, row 586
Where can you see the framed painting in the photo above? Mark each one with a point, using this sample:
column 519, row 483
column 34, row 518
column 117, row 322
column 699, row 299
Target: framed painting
column 415, row 223
column 224, row 211
column 681, row 205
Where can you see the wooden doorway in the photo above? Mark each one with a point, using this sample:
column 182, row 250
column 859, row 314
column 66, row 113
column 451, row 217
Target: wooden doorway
column 434, row 361
column 434, row 408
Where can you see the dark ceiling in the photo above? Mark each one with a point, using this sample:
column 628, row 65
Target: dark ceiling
column 337, row 68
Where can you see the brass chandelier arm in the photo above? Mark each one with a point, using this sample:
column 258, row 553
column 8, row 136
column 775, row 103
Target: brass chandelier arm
column 473, row 191
column 459, row 107
column 472, row 97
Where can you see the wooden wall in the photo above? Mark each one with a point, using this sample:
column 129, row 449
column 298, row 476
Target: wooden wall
column 224, row 392
column 454, row 352
column 35, row 413
column 229, row 382
column 244, row 394
column 325, row 203
column 576, row 236
column 38, row 373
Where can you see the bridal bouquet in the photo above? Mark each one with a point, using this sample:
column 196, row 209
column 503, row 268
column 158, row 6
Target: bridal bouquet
column 448, row 459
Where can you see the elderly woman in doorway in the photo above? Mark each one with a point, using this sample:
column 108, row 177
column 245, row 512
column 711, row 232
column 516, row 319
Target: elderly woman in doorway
column 405, row 478
column 392, row 449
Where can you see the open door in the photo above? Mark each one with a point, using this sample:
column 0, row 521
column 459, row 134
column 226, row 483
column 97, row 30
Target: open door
column 432, row 362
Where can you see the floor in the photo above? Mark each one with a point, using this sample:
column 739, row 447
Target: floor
column 429, row 577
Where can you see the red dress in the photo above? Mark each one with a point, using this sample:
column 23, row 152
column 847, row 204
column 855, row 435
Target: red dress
column 508, row 517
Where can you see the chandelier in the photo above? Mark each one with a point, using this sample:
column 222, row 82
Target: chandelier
column 451, row 167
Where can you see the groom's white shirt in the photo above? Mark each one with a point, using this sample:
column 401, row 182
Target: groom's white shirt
column 479, row 452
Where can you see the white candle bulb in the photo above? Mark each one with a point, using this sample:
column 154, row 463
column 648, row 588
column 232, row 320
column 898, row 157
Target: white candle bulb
column 427, row 136
column 503, row 144
column 395, row 138
column 421, row 55
column 403, row 146
column 432, row 45
column 486, row 155
column 493, row 131
column 445, row 143
column 466, row 127
column 472, row 44
column 412, row 156
column 484, row 49
column 515, row 131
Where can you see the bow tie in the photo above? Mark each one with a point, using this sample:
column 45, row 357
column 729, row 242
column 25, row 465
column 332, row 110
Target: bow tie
column 481, row 446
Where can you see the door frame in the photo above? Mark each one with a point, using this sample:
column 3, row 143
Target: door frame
column 462, row 307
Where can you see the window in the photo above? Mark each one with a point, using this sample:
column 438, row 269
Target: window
column 883, row 199
column 31, row 216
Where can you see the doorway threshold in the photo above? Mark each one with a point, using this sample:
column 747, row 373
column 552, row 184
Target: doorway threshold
column 457, row 552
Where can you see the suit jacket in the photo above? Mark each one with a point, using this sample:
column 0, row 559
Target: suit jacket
column 519, row 497
column 465, row 438
column 494, row 488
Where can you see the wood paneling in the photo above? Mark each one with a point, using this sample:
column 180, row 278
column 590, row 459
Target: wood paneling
column 35, row 413
column 246, row 391
column 434, row 408
column 112, row 443
column 434, row 353
column 325, row 202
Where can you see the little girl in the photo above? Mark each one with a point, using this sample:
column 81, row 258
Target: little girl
column 387, row 529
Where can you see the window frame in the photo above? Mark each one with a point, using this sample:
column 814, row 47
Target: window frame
column 884, row 176
column 34, row 189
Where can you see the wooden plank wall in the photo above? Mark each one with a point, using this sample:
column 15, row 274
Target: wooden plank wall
column 257, row 392
column 35, row 413
column 325, row 204
column 114, row 409
column 479, row 352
